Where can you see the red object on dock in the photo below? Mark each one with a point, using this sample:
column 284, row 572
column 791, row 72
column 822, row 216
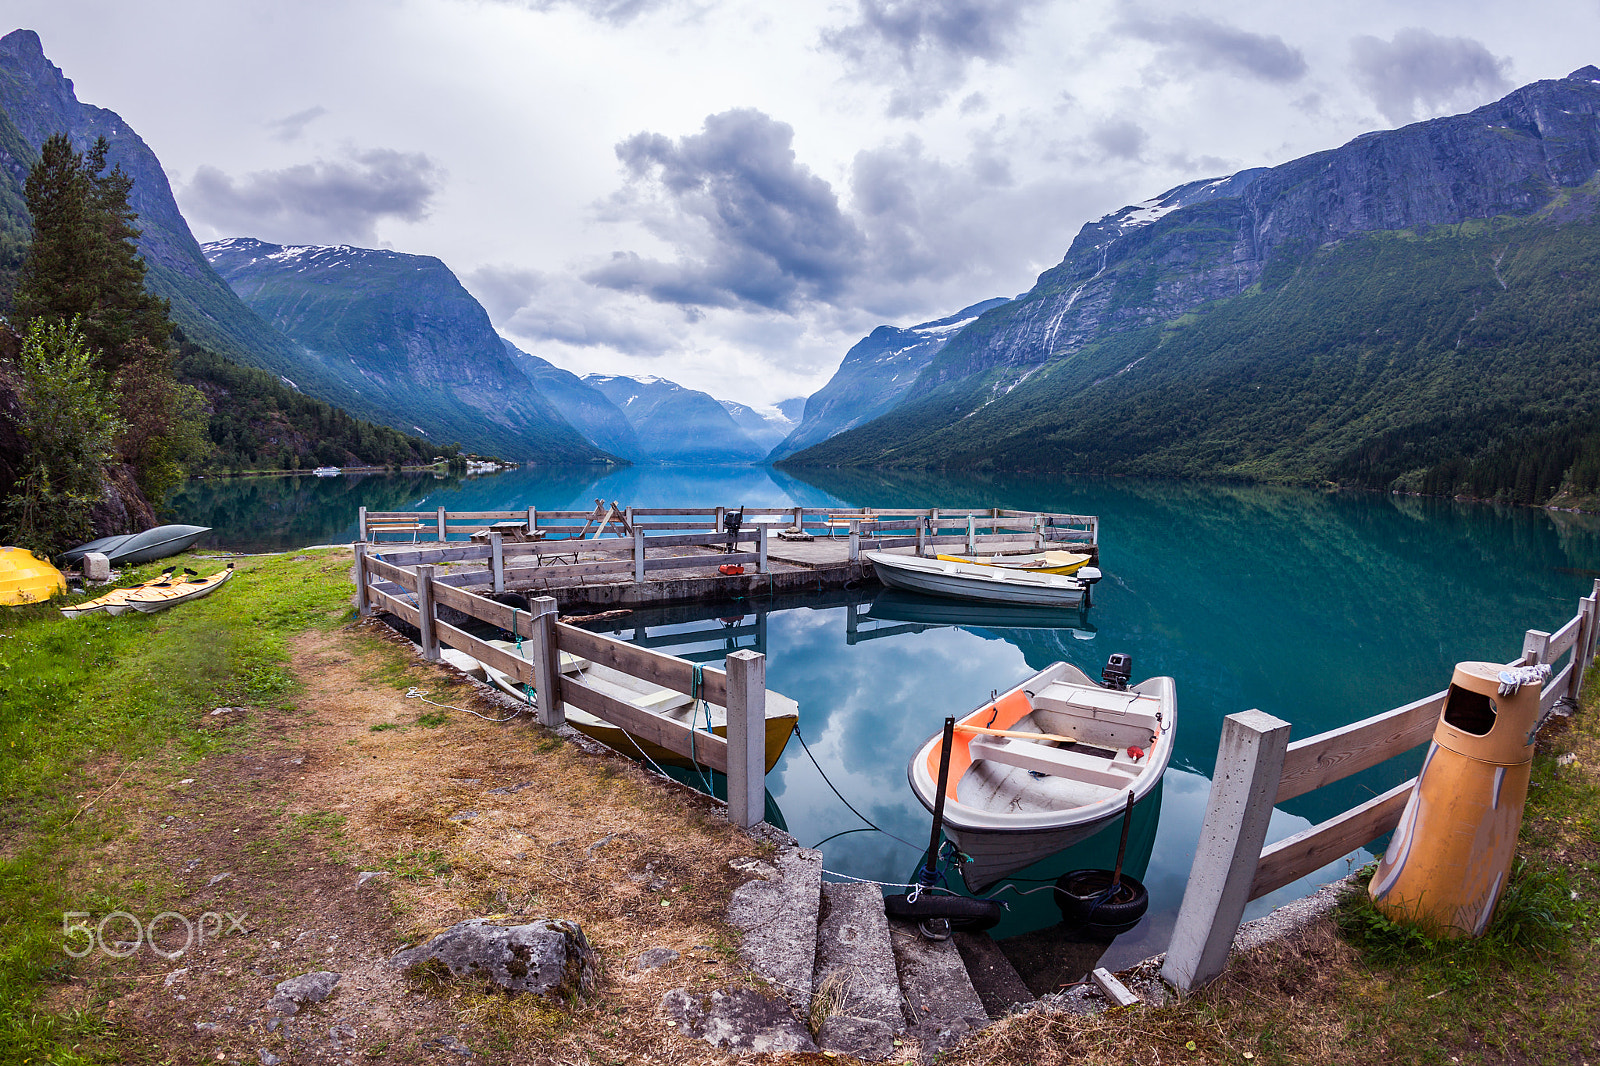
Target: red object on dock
column 730, row 569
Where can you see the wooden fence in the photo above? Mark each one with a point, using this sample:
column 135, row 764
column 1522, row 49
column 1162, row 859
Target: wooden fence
column 740, row 688
column 1257, row 768
column 643, row 529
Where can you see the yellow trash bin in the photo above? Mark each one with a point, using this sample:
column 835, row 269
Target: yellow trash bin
column 1448, row 860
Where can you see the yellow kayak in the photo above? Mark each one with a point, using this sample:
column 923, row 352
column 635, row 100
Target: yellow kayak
column 169, row 593
column 26, row 578
column 1049, row 562
column 115, row 601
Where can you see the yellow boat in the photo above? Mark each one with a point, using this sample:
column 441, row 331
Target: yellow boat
column 115, row 601
column 26, row 578
column 170, row 593
column 782, row 712
column 1047, row 562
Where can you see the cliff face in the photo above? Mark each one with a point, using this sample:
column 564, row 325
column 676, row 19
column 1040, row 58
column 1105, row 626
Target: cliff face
column 874, row 377
column 675, row 424
column 39, row 101
column 1213, row 239
column 401, row 342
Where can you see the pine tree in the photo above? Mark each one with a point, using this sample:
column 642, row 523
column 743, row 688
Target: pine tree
column 83, row 262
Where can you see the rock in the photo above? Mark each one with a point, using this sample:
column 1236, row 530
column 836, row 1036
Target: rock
column 340, row 1035
column 464, row 816
column 367, row 875
column 448, row 1042
column 655, row 957
column 738, row 1019
column 865, row 1038
column 289, row 996
column 267, row 1058
column 96, row 567
column 779, row 921
column 218, row 879
column 173, row 976
column 205, row 1027
column 548, row 956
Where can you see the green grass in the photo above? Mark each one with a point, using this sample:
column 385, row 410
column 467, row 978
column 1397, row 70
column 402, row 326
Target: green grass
column 80, row 703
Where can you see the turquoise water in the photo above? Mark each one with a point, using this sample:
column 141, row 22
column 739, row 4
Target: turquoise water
column 1318, row 608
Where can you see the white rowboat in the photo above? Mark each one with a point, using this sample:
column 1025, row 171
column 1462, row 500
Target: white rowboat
column 1010, row 800
column 987, row 584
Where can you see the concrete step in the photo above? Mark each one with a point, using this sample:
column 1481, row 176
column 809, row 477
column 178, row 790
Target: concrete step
column 993, row 976
column 856, row 985
column 777, row 913
column 940, row 999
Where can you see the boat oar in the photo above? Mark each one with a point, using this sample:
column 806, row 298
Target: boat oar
column 1015, row 733
column 926, row 875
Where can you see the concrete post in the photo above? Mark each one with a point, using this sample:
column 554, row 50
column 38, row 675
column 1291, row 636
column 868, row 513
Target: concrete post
column 638, row 554
column 363, row 594
column 361, row 523
column 430, row 635
column 441, row 525
column 497, row 560
column 747, row 736
column 1243, row 790
column 546, row 670
column 533, row 522
column 855, row 542
column 96, row 567
column 761, row 548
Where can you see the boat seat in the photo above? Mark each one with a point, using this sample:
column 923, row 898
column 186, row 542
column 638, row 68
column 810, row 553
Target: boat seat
column 1059, row 762
column 662, row 700
column 1129, row 708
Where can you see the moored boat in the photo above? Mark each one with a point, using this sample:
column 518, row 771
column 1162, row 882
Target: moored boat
column 26, row 578
column 170, row 593
column 1046, row 765
column 115, row 601
column 1045, row 562
column 782, row 712
column 988, row 584
column 131, row 549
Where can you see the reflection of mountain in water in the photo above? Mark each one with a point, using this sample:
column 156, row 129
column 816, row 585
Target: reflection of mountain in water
column 266, row 513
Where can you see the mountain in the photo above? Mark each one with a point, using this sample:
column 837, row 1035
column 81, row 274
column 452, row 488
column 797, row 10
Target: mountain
column 396, row 338
column 38, row 101
column 583, row 405
column 1374, row 313
column 874, row 377
column 765, row 430
column 675, row 424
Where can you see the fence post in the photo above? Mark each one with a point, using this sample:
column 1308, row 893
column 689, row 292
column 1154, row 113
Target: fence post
column 747, row 736
column 546, row 671
column 533, row 521
column 430, row 635
column 799, row 519
column 1094, row 531
column 1536, row 643
column 716, row 526
column 497, row 560
column 855, row 542
column 361, row 523
column 922, row 536
column 441, row 525
column 363, row 594
column 1580, row 647
column 761, row 548
column 972, row 535
column 1244, row 787
column 638, row 554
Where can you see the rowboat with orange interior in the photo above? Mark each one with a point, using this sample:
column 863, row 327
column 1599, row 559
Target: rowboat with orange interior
column 1047, row 764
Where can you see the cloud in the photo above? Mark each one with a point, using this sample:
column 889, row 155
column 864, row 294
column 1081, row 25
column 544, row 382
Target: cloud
column 1199, row 43
column 317, row 203
column 1419, row 73
column 1119, row 138
column 560, row 308
column 921, row 49
column 614, row 12
column 290, row 127
column 753, row 227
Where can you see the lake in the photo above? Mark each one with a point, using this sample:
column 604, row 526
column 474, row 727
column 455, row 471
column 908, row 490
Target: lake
column 1320, row 608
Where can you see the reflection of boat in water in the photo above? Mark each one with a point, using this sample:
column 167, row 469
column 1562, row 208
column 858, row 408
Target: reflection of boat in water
column 895, row 605
column 782, row 712
column 1047, row 764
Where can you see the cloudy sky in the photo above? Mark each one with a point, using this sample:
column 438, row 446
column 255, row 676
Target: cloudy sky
column 729, row 193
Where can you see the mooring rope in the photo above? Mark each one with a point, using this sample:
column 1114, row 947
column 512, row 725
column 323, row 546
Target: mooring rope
column 844, row 801
column 417, row 694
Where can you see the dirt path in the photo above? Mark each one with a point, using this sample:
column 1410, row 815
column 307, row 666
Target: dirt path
column 458, row 817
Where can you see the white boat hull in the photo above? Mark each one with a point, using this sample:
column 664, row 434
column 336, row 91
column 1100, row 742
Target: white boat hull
column 971, row 581
column 1002, row 815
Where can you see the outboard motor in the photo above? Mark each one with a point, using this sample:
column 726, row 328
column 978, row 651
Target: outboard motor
column 1119, row 668
column 731, row 521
